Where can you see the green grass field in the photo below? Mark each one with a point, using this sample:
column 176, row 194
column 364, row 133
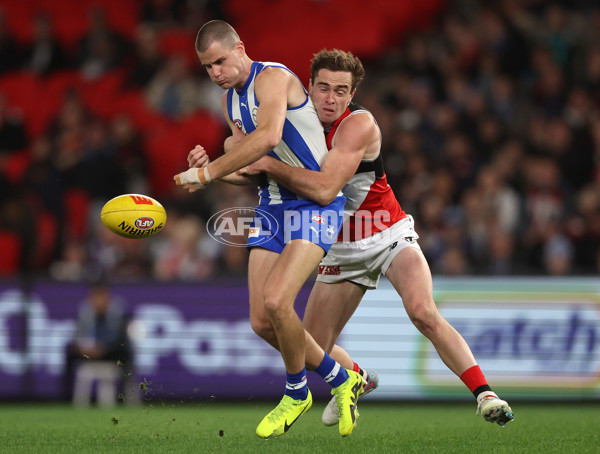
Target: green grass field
column 382, row 428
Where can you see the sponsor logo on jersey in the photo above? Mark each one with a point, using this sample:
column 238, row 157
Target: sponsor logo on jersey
column 329, row 270
column 144, row 223
column 393, row 245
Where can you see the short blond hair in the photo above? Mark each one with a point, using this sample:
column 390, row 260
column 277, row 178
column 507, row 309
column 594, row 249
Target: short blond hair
column 216, row 30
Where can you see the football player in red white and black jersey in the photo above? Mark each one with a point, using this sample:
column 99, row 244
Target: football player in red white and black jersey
column 377, row 236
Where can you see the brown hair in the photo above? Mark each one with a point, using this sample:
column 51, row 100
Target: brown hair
column 337, row 60
column 216, row 30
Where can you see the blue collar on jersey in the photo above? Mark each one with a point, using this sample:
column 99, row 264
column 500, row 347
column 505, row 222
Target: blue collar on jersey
column 253, row 70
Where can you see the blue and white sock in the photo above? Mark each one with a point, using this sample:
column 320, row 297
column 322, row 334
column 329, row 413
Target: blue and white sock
column 332, row 372
column 295, row 385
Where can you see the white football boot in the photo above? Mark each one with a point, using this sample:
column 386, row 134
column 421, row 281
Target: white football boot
column 331, row 415
column 493, row 409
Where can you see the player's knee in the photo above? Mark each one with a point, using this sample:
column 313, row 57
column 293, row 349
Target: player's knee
column 264, row 329
column 274, row 307
column 425, row 317
column 279, row 305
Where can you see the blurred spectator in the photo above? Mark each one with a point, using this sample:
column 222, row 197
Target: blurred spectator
column 164, row 13
column 44, row 192
column 7, row 188
column 185, row 252
column 117, row 257
column 130, row 154
column 453, row 263
column 544, row 208
column 146, row 60
column 41, row 179
column 505, row 41
column 67, row 133
column 100, row 350
column 461, row 160
column 12, row 130
column 501, row 254
column 71, row 265
column 430, row 214
column 558, row 256
column 45, row 54
column 500, row 203
column 559, row 33
column 550, row 84
column 575, row 158
column 11, row 53
column 17, row 216
column 99, row 171
column 101, row 49
column 590, row 73
column 173, row 90
column 172, row 14
column 582, row 227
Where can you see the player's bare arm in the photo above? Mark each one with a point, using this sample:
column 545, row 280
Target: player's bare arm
column 356, row 137
column 275, row 89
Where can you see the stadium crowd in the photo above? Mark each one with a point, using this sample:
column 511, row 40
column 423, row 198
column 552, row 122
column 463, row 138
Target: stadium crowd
column 490, row 120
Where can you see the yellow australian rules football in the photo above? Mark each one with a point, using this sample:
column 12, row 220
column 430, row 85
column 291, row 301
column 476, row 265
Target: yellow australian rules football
column 133, row 216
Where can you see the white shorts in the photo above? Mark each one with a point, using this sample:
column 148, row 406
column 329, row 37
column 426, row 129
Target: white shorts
column 364, row 261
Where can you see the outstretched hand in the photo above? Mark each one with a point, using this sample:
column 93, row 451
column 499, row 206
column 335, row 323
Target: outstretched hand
column 198, row 157
column 190, row 179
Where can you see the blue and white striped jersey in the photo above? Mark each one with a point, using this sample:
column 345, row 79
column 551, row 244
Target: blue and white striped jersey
column 303, row 141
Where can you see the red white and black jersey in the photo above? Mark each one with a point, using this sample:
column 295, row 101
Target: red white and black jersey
column 371, row 205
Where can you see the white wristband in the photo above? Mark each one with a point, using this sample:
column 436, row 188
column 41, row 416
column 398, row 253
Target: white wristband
column 190, row 176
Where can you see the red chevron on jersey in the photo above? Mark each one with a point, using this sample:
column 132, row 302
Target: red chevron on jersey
column 378, row 211
column 371, row 205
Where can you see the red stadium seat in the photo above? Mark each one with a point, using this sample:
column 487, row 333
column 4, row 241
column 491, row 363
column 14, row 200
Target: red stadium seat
column 47, row 236
column 168, row 148
column 133, row 103
column 71, row 18
column 77, row 204
column 179, row 42
column 21, row 90
column 17, row 165
column 17, row 16
column 10, row 245
column 52, row 92
column 204, row 129
column 101, row 95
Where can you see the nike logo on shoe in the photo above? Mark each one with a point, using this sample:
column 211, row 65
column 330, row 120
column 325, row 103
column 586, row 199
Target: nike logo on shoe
column 287, row 426
column 353, row 412
column 355, row 390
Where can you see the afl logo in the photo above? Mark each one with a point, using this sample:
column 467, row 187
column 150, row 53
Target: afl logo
column 318, row 219
column 233, row 226
column 144, row 223
column 238, row 124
